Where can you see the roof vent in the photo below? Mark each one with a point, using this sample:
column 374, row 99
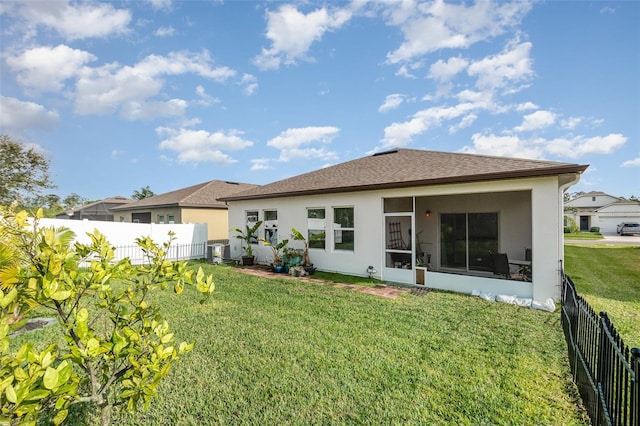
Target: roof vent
column 391, row 151
column 231, row 183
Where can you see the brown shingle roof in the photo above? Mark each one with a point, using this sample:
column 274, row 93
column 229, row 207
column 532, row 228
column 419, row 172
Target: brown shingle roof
column 202, row 195
column 405, row 168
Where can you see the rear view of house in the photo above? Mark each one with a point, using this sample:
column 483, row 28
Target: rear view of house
column 424, row 218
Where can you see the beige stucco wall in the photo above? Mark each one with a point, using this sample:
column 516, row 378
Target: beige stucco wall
column 216, row 219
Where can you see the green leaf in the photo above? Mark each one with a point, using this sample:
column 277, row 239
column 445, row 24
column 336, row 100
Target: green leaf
column 64, row 372
column 8, row 298
column 46, row 360
column 60, row 416
column 83, row 315
column 37, row 395
column 10, row 392
column 61, row 295
column 50, row 379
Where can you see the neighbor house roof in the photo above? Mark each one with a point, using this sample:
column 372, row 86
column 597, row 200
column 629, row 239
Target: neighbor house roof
column 204, row 195
column 400, row 168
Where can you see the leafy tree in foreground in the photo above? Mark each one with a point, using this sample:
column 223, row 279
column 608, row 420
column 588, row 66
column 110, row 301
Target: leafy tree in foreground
column 118, row 346
column 145, row 192
column 23, row 171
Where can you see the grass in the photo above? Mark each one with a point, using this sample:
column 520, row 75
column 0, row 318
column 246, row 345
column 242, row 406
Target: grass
column 608, row 277
column 583, row 236
column 288, row 352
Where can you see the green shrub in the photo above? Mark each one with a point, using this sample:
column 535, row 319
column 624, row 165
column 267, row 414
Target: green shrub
column 594, row 229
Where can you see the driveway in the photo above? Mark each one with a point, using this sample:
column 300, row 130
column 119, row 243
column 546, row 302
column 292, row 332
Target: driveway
column 611, row 238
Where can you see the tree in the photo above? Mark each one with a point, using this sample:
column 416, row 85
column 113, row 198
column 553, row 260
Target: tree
column 23, row 171
column 145, row 192
column 73, row 200
column 118, row 346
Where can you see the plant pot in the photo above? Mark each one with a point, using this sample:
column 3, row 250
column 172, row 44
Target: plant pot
column 310, row 269
column 278, row 268
column 247, row 260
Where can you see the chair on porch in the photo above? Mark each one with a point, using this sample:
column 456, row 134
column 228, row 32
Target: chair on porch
column 500, row 263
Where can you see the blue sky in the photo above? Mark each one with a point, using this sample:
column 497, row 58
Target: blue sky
column 121, row 95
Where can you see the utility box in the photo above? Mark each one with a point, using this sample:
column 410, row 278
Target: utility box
column 218, row 253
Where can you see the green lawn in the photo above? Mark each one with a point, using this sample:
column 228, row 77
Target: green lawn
column 288, row 352
column 583, row 236
column 609, row 279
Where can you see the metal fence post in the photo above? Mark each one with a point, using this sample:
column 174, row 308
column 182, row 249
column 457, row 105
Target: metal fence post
column 635, row 387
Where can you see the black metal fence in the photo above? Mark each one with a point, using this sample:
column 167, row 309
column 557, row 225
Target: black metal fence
column 605, row 370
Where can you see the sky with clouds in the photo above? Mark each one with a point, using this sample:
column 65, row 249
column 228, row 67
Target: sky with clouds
column 123, row 94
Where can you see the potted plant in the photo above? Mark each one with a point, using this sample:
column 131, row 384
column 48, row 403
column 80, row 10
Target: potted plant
column 247, row 236
column 292, row 257
column 306, row 260
column 277, row 256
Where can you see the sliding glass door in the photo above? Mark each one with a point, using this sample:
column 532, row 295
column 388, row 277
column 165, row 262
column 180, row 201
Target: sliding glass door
column 466, row 239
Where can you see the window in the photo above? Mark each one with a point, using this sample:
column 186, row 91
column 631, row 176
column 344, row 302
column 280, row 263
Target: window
column 171, row 218
column 593, row 198
column 316, row 228
column 121, row 218
column 466, row 239
column 343, row 228
column 252, row 219
column 160, row 218
column 271, row 226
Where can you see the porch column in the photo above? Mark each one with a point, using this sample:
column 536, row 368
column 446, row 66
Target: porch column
column 546, row 244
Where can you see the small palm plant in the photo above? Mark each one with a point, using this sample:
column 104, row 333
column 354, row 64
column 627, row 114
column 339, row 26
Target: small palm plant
column 247, row 236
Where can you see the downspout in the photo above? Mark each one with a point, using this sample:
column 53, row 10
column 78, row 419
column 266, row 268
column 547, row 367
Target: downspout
column 561, row 189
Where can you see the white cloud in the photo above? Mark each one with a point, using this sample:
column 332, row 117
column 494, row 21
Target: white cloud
column 403, row 71
column 161, row 4
column 505, row 70
column 293, row 143
column 632, row 163
column 261, row 164
column 445, row 71
column 537, row 120
column 165, row 31
column 538, row 148
column 150, row 110
column 428, row 27
column 526, row 106
column 206, row 99
column 466, row 121
column 571, row 122
column 505, row 146
column 201, row 146
column 107, row 89
column 579, row 145
column 47, row 68
column 19, row 117
column 400, row 134
column 392, row 101
column 292, row 33
column 250, row 83
column 78, row 20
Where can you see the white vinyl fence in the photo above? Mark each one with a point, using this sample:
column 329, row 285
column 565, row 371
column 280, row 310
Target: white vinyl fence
column 190, row 239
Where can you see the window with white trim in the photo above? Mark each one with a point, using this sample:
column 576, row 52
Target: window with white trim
column 343, row 229
column 316, row 228
column 252, row 218
column 270, row 226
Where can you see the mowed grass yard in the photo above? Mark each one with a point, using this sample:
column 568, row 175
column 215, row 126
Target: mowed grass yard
column 608, row 278
column 279, row 351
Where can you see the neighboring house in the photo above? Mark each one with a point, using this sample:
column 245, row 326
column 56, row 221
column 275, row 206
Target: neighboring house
column 601, row 210
column 194, row 204
column 100, row 210
column 421, row 217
